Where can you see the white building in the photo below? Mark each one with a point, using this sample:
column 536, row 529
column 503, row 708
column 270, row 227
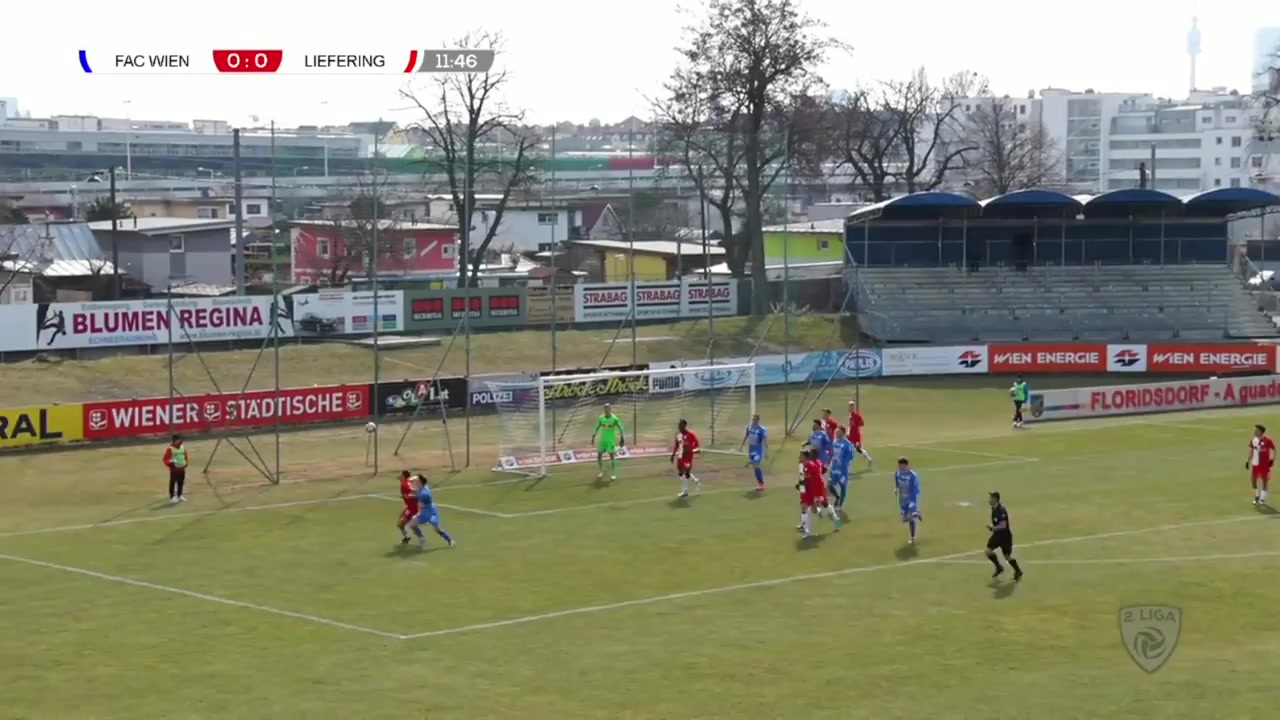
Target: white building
column 525, row 226
column 1210, row 140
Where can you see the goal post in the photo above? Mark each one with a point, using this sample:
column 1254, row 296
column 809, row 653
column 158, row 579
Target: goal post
column 550, row 421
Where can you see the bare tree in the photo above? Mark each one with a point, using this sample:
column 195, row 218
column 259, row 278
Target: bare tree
column 364, row 240
column 696, row 129
column 905, row 133
column 476, row 141
column 755, row 61
column 1009, row 152
column 102, row 209
column 10, row 214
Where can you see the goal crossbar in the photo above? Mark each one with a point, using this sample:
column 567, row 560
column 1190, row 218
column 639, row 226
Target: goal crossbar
column 539, row 401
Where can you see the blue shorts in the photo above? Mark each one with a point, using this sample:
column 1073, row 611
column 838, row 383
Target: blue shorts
column 839, row 477
column 430, row 517
column 908, row 508
column 755, row 457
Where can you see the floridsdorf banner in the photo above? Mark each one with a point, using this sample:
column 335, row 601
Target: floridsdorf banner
column 1112, row 400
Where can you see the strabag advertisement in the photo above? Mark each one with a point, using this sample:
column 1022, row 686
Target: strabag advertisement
column 1115, row 400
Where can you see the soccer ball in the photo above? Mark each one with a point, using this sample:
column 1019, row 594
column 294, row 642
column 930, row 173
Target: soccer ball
column 371, row 427
column 1012, row 391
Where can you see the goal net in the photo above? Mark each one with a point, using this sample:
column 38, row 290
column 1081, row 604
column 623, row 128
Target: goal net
column 550, row 421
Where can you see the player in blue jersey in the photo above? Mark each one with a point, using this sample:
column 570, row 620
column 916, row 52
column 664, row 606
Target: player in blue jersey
column 841, row 460
column 906, row 486
column 756, row 440
column 427, row 513
column 821, row 444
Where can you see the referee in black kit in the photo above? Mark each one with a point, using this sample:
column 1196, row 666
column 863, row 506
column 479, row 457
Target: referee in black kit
column 1001, row 538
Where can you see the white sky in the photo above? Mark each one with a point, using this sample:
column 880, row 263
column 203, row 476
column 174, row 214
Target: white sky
column 579, row 59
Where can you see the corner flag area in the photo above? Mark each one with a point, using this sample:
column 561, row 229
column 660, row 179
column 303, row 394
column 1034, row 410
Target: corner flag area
column 569, row 597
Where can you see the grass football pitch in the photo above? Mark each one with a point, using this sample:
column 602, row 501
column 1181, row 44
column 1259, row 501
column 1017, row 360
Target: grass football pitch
column 567, row 598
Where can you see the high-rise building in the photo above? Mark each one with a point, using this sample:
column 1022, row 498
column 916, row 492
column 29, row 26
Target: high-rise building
column 1209, row 140
column 1266, row 60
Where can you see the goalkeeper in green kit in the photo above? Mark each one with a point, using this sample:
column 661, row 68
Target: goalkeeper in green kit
column 612, row 437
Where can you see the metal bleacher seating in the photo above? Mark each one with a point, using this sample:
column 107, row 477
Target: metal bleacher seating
column 1092, row 302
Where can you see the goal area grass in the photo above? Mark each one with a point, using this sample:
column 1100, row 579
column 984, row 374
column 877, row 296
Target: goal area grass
column 571, row 598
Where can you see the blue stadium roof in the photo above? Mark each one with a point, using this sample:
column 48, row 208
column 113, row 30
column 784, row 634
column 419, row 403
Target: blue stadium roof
column 1132, row 201
column 1031, row 203
column 933, row 206
column 1228, row 201
column 918, row 206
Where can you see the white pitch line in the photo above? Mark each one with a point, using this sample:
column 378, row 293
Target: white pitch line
column 809, row 576
column 474, row 511
column 197, row 595
column 975, row 453
column 1190, row 426
column 1130, row 561
column 162, row 516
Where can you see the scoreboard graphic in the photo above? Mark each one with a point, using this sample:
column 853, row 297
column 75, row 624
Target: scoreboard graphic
column 281, row 62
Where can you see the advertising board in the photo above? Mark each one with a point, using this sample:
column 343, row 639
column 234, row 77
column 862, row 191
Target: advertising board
column 59, row 326
column 1127, row 358
column 598, row 387
column 488, row 392
column 712, row 375
column 437, row 396
column 544, row 306
column 1146, row 398
column 114, row 419
column 1032, row 358
column 40, row 425
column 1215, row 358
column 344, row 312
column 434, row 310
column 924, row 360
column 687, row 298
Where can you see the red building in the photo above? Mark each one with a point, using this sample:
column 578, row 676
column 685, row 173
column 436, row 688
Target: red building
column 331, row 252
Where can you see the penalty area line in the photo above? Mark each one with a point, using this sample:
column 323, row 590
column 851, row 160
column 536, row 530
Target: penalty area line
column 118, row 579
column 1133, row 561
column 656, row 599
column 179, row 516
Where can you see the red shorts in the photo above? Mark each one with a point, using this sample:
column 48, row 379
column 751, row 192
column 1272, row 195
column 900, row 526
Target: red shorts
column 408, row 514
column 808, row 499
column 856, row 440
column 1257, row 473
column 683, row 465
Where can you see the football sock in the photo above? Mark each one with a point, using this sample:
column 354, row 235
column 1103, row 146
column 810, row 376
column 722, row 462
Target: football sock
column 613, row 465
column 912, row 525
column 684, row 484
column 995, row 561
column 1014, row 564
column 759, row 476
column 1263, row 496
column 444, row 535
column 867, row 455
column 417, row 531
column 802, row 514
column 600, row 462
column 404, row 532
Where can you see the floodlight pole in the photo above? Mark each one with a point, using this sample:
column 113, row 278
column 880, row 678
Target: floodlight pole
column 115, row 237
column 239, row 200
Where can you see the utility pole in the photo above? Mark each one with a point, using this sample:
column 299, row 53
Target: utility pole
column 239, row 263
column 115, row 237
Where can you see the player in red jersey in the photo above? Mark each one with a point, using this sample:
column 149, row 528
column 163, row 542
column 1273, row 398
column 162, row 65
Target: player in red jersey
column 410, row 497
column 813, row 493
column 685, row 447
column 855, row 432
column 829, row 425
column 1262, row 456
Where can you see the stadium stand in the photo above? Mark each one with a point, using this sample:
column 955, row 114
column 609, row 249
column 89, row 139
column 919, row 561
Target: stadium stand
column 1132, row 264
